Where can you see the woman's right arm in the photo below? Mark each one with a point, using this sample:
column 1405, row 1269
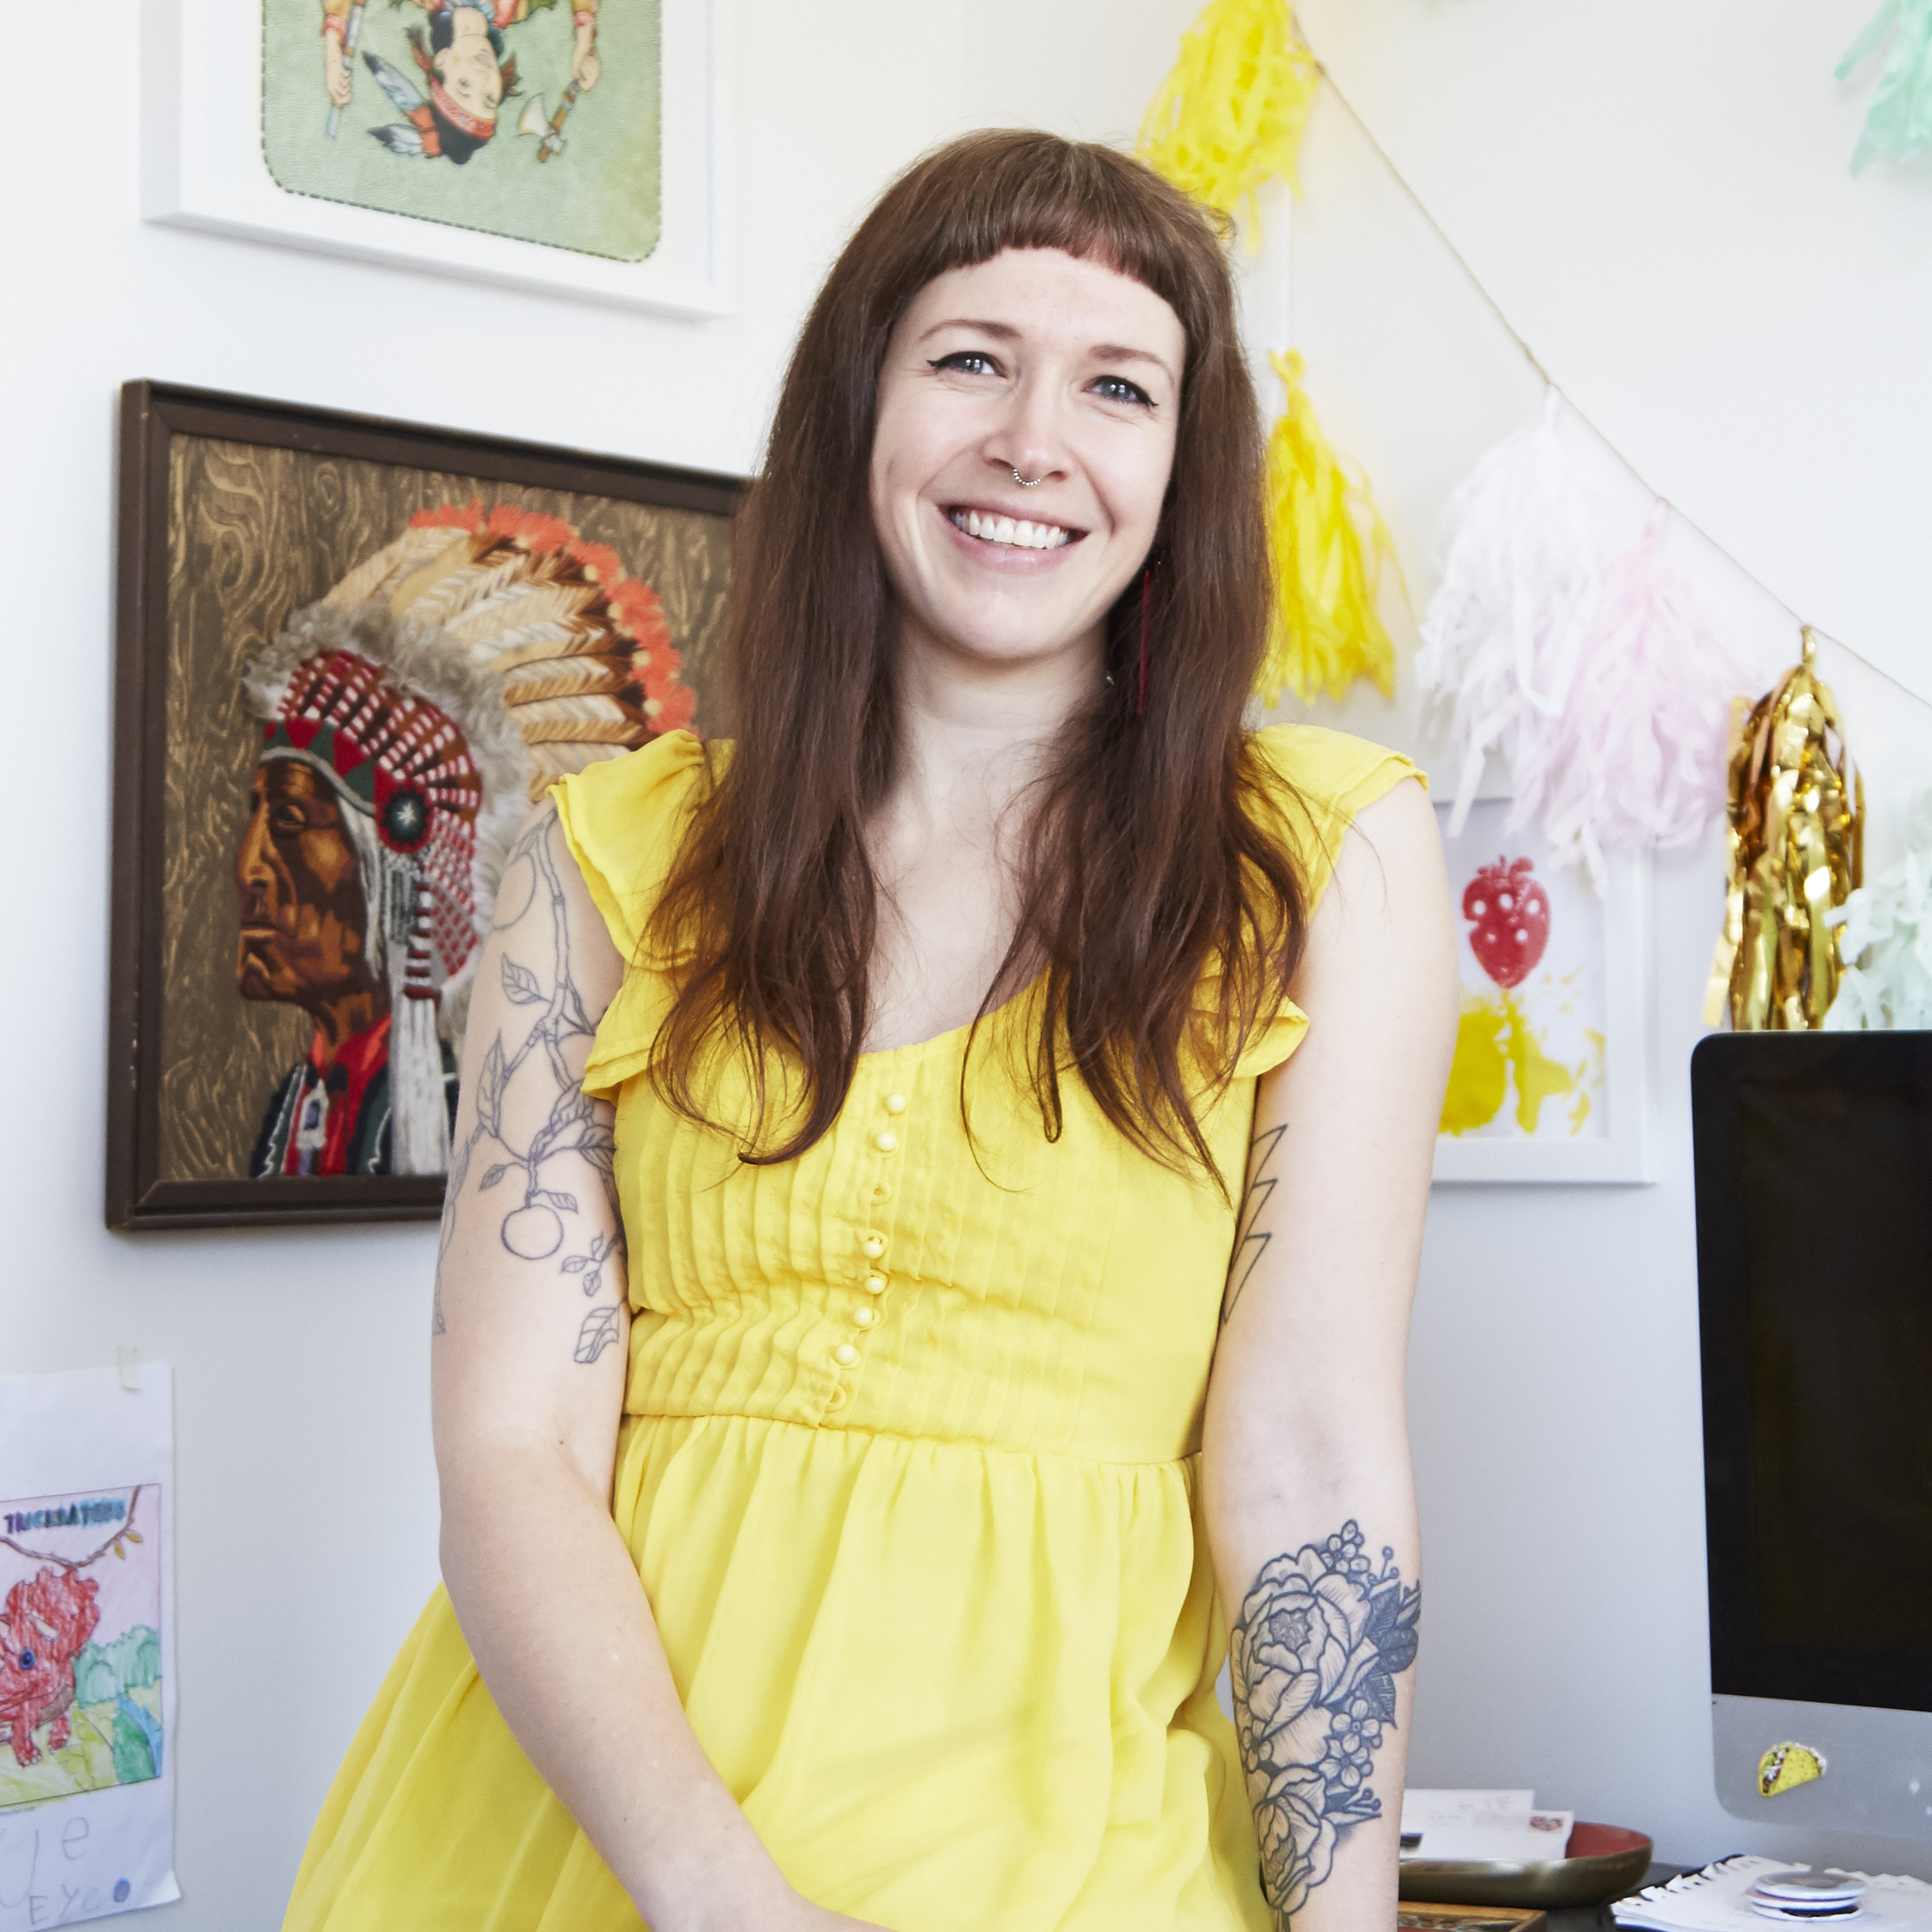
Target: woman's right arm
column 528, row 1371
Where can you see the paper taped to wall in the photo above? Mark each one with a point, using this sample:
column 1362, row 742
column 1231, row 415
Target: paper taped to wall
column 86, row 1658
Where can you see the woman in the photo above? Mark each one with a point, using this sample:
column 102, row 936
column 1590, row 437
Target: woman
column 961, row 1409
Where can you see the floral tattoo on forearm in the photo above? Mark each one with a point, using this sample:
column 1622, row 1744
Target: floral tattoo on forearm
column 1314, row 1655
column 536, row 1211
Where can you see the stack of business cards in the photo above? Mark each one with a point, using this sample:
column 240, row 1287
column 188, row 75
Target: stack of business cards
column 1800, row 1895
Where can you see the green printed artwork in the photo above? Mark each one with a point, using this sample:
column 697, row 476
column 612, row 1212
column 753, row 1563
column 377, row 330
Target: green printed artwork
column 1529, row 1045
column 79, row 1643
column 521, row 118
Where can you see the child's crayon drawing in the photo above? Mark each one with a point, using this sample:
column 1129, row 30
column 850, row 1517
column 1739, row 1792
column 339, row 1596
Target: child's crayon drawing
column 80, row 1703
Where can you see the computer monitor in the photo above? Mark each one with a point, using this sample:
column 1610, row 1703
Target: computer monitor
column 1814, row 1250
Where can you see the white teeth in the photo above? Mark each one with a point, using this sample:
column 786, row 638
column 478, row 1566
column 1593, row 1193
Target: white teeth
column 1020, row 533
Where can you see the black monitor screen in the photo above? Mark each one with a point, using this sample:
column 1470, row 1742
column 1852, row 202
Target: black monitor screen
column 1813, row 1210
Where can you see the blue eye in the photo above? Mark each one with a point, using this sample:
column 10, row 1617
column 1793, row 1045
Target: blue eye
column 968, row 362
column 1118, row 389
column 26, row 1660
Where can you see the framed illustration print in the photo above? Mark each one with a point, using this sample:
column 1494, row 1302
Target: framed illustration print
column 566, row 145
column 1548, row 1079
column 350, row 655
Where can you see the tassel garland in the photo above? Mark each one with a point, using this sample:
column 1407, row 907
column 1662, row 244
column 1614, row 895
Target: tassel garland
column 1231, row 112
column 1500, row 640
column 1885, row 927
column 1795, row 850
column 1898, row 122
column 1326, row 632
column 1639, row 751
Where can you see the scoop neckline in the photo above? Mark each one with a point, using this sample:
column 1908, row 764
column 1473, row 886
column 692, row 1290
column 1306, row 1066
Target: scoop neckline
column 954, row 1032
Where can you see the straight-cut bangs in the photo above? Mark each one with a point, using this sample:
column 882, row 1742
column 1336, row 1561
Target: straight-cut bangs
column 1161, row 909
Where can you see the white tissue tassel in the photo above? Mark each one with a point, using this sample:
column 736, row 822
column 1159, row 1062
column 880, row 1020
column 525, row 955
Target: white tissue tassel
column 1521, row 567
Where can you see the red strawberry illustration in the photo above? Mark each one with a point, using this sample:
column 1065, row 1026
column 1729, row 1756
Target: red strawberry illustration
column 1508, row 916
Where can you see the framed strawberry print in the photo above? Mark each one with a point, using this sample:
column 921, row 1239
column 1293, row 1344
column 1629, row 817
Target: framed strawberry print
column 1548, row 1082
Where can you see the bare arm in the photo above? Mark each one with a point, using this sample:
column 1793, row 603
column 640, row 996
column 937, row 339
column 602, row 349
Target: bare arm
column 528, row 1373
column 1310, row 1501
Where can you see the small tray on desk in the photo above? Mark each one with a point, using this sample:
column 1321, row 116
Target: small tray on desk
column 1413, row 1915
column 1600, row 1862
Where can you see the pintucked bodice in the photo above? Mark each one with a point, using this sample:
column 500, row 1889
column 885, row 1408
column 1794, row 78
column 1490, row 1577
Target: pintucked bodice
column 901, row 1276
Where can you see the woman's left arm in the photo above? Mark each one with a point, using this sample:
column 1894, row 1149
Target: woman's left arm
column 1310, row 1500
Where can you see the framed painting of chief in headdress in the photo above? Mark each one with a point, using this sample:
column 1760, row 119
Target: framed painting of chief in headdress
column 351, row 656
column 570, row 145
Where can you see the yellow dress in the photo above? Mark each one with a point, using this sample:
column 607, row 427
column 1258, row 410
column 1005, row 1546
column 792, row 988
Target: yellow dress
column 926, row 1556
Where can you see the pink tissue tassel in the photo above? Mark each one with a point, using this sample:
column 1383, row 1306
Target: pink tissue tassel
column 1639, row 751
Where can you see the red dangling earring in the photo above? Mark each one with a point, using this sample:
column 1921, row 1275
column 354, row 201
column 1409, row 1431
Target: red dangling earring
column 1140, row 702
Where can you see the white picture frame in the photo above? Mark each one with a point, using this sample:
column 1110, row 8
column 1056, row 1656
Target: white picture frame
column 1615, row 954
column 203, row 167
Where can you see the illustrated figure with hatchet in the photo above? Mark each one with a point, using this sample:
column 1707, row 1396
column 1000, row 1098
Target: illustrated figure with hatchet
column 465, row 63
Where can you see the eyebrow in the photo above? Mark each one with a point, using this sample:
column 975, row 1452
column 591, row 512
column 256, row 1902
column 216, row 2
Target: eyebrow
column 1005, row 331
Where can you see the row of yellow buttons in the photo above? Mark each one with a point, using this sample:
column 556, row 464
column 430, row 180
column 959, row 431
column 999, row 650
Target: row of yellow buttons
column 873, row 1247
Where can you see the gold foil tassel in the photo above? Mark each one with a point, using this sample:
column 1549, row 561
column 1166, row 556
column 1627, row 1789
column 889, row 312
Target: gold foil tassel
column 1795, row 848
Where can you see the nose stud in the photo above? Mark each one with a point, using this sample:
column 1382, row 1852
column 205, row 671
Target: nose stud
column 1025, row 484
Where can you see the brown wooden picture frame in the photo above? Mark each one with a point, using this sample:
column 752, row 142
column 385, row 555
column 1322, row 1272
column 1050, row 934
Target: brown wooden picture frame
column 141, row 1192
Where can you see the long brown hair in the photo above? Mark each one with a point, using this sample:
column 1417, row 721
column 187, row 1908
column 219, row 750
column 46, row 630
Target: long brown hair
column 1157, row 874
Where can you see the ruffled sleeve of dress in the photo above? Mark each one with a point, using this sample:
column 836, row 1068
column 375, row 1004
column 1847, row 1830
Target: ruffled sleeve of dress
column 624, row 819
column 1320, row 780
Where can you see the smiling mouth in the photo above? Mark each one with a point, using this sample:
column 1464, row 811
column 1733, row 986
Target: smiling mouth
column 1018, row 532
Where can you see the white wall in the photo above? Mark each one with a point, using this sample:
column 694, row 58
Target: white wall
column 307, row 1514
column 1555, row 1390
column 1657, row 195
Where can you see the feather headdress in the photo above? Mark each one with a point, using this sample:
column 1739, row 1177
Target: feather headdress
column 438, row 689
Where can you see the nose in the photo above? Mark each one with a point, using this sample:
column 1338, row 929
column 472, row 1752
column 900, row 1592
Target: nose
column 253, row 874
column 1029, row 443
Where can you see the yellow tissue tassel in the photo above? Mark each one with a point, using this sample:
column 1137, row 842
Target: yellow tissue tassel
column 1325, row 633
column 1794, row 849
column 1231, row 112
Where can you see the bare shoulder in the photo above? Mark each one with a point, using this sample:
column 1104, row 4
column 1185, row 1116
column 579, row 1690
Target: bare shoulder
column 1388, row 901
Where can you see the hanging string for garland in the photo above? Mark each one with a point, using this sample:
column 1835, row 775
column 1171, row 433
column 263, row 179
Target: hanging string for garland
column 1500, row 640
column 1638, row 757
column 1326, row 632
column 1231, row 112
column 1898, row 122
column 1794, row 851
column 1884, row 929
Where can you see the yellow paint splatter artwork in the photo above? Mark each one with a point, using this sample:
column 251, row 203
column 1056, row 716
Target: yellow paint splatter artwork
column 1529, row 1043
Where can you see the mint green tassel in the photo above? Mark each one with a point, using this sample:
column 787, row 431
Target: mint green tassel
column 1900, row 122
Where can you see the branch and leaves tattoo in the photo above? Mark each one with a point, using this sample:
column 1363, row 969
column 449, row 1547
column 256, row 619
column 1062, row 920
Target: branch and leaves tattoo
column 532, row 1228
column 1322, row 1636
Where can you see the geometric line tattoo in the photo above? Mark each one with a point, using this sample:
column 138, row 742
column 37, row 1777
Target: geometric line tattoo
column 1252, row 1240
column 1314, row 1655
